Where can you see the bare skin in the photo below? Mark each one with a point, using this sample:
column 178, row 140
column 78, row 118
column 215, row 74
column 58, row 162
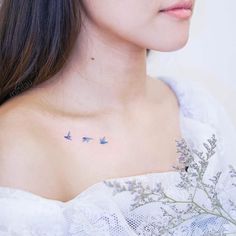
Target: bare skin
column 102, row 91
column 36, row 157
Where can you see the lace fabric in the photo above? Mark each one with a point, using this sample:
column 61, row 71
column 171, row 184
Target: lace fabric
column 200, row 201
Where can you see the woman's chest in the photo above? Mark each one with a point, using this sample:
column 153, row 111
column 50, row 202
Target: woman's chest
column 85, row 153
column 83, row 162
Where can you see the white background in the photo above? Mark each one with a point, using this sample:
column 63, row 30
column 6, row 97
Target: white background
column 210, row 54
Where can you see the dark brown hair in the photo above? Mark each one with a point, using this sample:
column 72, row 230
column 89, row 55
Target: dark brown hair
column 36, row 38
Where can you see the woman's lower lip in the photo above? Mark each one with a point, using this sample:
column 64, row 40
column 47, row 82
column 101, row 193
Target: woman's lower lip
column 179, row 13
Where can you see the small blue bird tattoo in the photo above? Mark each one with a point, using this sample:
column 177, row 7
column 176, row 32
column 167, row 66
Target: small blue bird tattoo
column 68, row 136
column 103, row 140
column 87, row 139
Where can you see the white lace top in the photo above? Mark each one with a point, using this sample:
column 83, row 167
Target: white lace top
column 200, row 200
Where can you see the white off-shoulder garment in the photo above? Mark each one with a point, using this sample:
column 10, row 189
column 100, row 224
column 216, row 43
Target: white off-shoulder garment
column 200, row 200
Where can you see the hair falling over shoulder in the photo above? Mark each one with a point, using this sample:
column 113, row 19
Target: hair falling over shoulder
column 36, row 38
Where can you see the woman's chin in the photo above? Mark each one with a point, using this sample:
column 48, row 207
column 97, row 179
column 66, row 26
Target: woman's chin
column 172, row 45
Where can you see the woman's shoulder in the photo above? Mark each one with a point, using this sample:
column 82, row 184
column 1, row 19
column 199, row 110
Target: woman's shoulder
column 20, row 144
column 25, row 151
column 13, row 123
column 15, row 120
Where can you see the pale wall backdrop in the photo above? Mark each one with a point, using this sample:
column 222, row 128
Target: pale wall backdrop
column 210, row 54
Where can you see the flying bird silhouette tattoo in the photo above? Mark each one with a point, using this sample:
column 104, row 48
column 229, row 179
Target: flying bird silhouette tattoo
column 87, row 139
column 68, row 136
column 103, row 140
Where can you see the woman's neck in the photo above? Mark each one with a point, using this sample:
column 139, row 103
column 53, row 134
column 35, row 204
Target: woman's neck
column 101, row 74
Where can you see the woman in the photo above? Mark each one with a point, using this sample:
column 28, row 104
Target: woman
column 92, row 145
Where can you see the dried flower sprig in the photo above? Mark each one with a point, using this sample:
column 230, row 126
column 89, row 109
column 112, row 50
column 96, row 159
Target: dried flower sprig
column 192, row 182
